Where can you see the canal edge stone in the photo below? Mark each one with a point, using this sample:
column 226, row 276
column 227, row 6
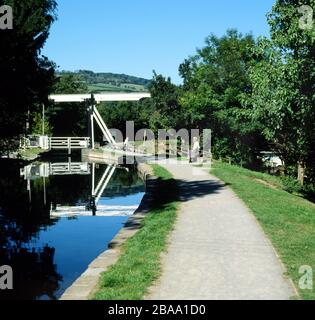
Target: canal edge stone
column 87, row 284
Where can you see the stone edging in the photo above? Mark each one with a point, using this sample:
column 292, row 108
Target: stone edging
column 86, row 285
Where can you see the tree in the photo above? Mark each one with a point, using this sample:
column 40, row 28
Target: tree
column 215, row 82
column 115, row 114
column 69, row 83
column 68, row 119
column 165, row 110
column 26, row 76
column 283, row 82
column 37, row 125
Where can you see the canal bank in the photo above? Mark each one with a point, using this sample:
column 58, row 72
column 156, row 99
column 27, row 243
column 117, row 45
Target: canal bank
column 87, row 284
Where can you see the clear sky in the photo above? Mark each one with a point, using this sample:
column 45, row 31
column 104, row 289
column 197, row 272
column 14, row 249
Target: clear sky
column 137, row 36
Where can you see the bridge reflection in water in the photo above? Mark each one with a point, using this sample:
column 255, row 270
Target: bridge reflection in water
column 95, row 205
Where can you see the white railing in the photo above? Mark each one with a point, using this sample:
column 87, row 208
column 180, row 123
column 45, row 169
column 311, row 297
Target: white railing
column 69, row 168
column 69, row 143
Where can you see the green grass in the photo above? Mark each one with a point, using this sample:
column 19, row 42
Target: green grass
column 135, row 87
column 288, row 220
column 30, row 153
column 104, row 87
column 139, row 263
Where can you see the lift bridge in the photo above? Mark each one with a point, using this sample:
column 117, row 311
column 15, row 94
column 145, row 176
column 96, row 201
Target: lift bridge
column 92, row 207
column 72, row 143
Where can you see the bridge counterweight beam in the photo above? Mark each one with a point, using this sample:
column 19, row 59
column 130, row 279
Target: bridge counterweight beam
column 92, row 132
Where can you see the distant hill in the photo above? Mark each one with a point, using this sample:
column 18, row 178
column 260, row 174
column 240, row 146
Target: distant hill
column 111, row 82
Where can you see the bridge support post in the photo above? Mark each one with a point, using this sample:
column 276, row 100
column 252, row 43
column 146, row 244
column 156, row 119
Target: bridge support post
column 69, row 146
column 92, row 131
column 91, row 105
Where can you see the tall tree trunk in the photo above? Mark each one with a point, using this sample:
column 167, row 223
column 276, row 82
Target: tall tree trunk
column 301, row 172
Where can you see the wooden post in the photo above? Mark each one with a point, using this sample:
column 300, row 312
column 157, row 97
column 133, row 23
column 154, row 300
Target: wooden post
column 301, row 172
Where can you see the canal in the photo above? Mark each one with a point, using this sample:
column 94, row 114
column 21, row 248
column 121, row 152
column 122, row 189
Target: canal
column 56, row 217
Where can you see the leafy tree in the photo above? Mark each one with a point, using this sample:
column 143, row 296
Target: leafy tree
column 165, row 110
column 115, row 114
column 283, row 81
column 69, row 83
column 26, row 76
column 37, row 125
column 215, row 82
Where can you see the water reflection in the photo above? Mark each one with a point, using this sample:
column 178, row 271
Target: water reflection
column 101, row 178
column 56, row 217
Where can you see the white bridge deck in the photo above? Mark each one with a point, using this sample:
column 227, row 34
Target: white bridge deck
column 102, row 97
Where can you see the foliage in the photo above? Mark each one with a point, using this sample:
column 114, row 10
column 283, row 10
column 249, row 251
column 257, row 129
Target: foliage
column 69, row 83
column 291, row 184
column 215, row 82
column 283, row 83
column 166, row 111
column 26, row 76
column 37, row 126
column 115, row 114
column 30, row 154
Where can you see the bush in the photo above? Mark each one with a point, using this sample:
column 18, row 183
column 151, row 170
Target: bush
column 309, row 191
column 291, row 184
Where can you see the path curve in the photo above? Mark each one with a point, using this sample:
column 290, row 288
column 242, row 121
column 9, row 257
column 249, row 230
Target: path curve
column 217, row 249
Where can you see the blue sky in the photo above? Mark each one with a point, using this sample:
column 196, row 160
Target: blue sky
column 137, row 36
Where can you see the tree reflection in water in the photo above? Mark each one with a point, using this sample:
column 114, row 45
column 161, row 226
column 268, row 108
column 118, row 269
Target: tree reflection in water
column 35, row 274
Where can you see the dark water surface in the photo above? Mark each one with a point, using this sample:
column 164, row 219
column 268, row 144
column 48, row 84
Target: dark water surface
column 54, row 223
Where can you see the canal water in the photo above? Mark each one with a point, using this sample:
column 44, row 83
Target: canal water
column 56, row 218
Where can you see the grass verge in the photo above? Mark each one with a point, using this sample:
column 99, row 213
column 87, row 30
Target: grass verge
column 30, row 154
column 139, row 263
column 288, row 220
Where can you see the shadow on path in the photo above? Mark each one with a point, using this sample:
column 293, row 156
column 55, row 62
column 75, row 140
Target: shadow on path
column 168, row 191
column 161, row 193
column 189, row 190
